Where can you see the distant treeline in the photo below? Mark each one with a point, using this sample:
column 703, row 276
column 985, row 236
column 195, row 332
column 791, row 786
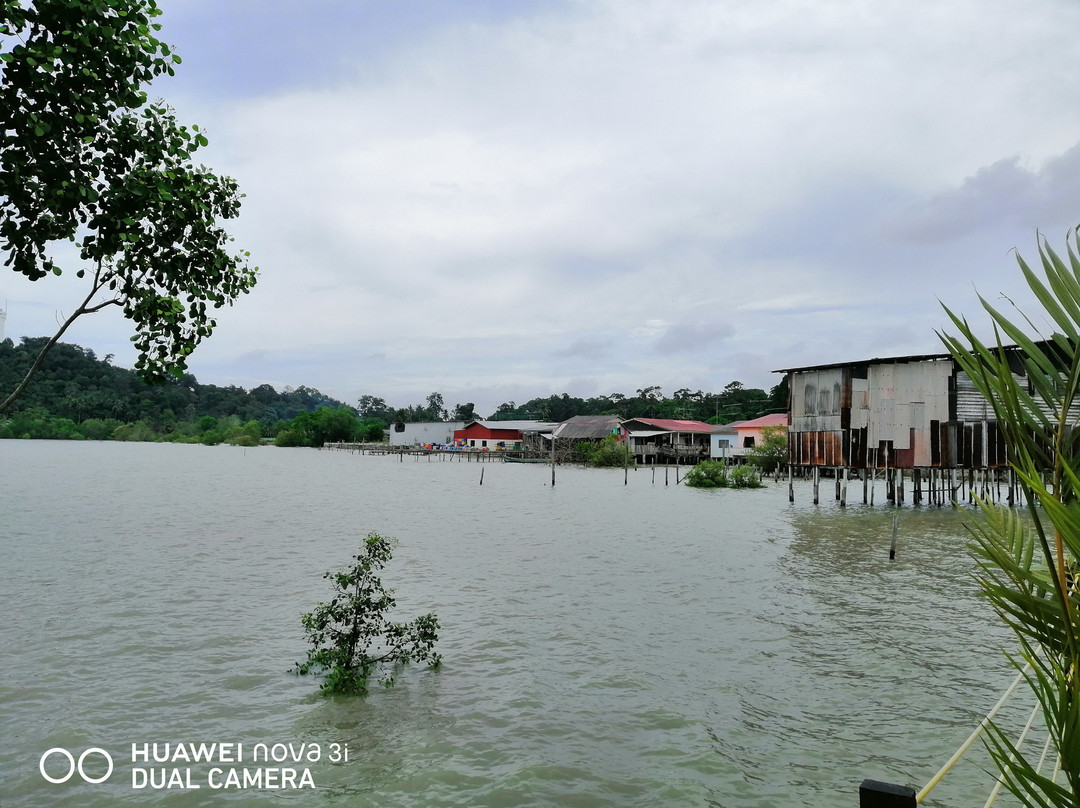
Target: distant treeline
column 733, row 403
column 77, row 396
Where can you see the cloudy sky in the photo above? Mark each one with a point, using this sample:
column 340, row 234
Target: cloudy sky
column 504, row 199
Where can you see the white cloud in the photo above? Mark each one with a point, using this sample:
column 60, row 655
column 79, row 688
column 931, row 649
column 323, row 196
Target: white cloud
column 627, row 192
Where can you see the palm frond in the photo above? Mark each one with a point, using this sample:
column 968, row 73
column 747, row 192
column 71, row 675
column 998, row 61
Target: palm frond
column 1029, row 569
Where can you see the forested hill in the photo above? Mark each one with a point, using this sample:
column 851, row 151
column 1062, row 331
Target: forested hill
column 75, row 395
column 74, row 384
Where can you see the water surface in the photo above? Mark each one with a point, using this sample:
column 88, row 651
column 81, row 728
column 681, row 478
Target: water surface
column 604, row 644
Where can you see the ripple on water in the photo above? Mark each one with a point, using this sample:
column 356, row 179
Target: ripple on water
column 604, row 645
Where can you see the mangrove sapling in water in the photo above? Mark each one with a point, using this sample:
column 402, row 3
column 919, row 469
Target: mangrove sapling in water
column 714, row 474
column 351, row 636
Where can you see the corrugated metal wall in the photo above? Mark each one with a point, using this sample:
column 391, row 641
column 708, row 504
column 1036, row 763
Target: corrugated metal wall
column 896, row 414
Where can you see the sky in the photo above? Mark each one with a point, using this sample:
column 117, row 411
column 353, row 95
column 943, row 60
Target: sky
column 502, row 200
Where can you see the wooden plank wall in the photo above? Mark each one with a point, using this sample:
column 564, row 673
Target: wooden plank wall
column 953, row 444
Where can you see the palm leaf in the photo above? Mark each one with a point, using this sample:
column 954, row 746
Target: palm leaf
column 1028, row 569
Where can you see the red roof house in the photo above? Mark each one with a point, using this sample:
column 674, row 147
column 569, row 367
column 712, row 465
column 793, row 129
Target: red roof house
column 490, row 436
column 751, row 432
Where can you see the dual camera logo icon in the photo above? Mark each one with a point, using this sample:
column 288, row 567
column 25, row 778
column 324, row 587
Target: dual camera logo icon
column 74, row 766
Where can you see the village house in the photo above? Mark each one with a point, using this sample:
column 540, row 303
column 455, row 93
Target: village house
column 723, row 443
column 751, row 433
column 918, row 417
column 586, row 429
column 906, row 412
column 493, row 436
column 435, row 433
column 665, row 440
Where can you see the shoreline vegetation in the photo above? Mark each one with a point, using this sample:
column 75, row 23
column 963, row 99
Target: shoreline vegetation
column 77, row 396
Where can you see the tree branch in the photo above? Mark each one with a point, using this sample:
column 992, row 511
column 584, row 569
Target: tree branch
column 84, row 308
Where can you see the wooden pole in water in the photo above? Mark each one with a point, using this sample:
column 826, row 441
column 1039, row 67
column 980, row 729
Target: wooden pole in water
column 552, row 459
column 895, row 530
column 481, row 475
column 843, row 493
column 790, row 484
column 817, row 480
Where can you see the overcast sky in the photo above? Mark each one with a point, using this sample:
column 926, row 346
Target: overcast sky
column 500, row 199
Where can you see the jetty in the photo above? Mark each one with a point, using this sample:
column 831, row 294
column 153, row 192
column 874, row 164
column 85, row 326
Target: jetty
column 442, row 454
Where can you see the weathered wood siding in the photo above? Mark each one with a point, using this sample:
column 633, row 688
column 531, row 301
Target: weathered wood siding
column 901, row 414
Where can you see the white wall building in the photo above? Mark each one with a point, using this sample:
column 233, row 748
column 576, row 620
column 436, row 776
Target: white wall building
column 724, row 444
column 439, row 433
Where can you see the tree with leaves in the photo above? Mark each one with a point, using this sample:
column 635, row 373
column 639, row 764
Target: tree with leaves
column 436, row 407
column 772, row 451
column 1030, row 571
column 464, row 412
column 86, row 159
column 374, row 407
column 351, row 636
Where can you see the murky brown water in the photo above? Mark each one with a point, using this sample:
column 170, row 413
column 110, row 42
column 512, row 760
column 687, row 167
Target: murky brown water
column 604, row 645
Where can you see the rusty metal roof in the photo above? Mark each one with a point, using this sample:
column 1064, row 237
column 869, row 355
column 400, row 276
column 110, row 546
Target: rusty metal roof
column 588, row 427
column 670, row 425
column 875, row 361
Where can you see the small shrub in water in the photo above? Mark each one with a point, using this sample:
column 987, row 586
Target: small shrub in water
column 351, row 636
column 745, row 477
column 609, row 453
column 708, row 474
column 714, row 474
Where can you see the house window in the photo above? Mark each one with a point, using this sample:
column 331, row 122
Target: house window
column 748, row 441
column 483, row 443
column 472, row 443
column 723, row 444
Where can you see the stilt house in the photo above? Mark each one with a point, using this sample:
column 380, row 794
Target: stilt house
column 663, row 440
column 910, row 412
